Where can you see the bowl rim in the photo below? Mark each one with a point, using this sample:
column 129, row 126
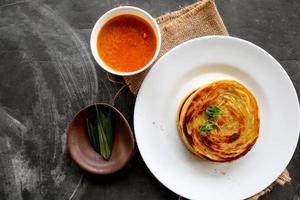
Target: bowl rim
column 87, row 167
column 111, row 14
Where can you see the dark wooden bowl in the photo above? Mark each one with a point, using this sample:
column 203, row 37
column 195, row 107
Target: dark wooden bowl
column 81, row 150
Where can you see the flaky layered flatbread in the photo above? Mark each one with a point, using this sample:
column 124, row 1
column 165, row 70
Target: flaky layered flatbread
column 219, row 121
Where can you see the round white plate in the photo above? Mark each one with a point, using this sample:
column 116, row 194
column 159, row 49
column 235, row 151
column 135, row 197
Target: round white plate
column 187, row 67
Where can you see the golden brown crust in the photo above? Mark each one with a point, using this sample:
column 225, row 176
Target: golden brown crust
column 238, row 124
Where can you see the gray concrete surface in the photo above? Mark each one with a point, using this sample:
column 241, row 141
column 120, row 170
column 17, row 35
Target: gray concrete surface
column 47, row 74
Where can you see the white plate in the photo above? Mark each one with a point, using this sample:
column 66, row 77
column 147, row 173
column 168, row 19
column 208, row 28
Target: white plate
column 190, row 65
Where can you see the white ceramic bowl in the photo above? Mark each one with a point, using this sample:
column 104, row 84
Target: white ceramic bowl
column 116, row 12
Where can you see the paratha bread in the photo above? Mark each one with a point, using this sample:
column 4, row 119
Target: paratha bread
column 236, row 128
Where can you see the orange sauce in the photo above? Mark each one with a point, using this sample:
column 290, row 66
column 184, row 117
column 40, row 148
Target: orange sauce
column 126, row 43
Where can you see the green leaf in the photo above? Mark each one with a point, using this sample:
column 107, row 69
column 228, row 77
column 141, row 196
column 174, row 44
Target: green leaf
column 101, row 139
column 90, row 132
column 206, row 128
column 101, row 133
column 213, row 111
column 108, row 130
column 92, row 135
column 96, row 137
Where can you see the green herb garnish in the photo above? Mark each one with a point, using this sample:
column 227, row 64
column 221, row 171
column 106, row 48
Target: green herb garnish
column 212, row 112
column 101, row 133
column 92, row 135
column 206, row 127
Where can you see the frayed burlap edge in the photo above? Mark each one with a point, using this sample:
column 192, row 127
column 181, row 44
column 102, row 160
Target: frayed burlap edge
column 281, row 180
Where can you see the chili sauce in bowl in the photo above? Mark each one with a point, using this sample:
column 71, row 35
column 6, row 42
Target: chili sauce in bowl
column 125, row 41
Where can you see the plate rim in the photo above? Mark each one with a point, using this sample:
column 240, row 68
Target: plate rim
column 282, row 71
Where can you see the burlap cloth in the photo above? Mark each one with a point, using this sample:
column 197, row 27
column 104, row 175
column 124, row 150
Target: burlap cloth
column 196, row 20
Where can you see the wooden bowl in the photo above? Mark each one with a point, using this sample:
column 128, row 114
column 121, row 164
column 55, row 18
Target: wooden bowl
column 81, row 150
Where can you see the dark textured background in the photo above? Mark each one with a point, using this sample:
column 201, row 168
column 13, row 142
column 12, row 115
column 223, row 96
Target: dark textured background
column 47, row 74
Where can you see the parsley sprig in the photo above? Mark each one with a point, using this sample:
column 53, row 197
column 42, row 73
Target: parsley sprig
column 211, row 111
